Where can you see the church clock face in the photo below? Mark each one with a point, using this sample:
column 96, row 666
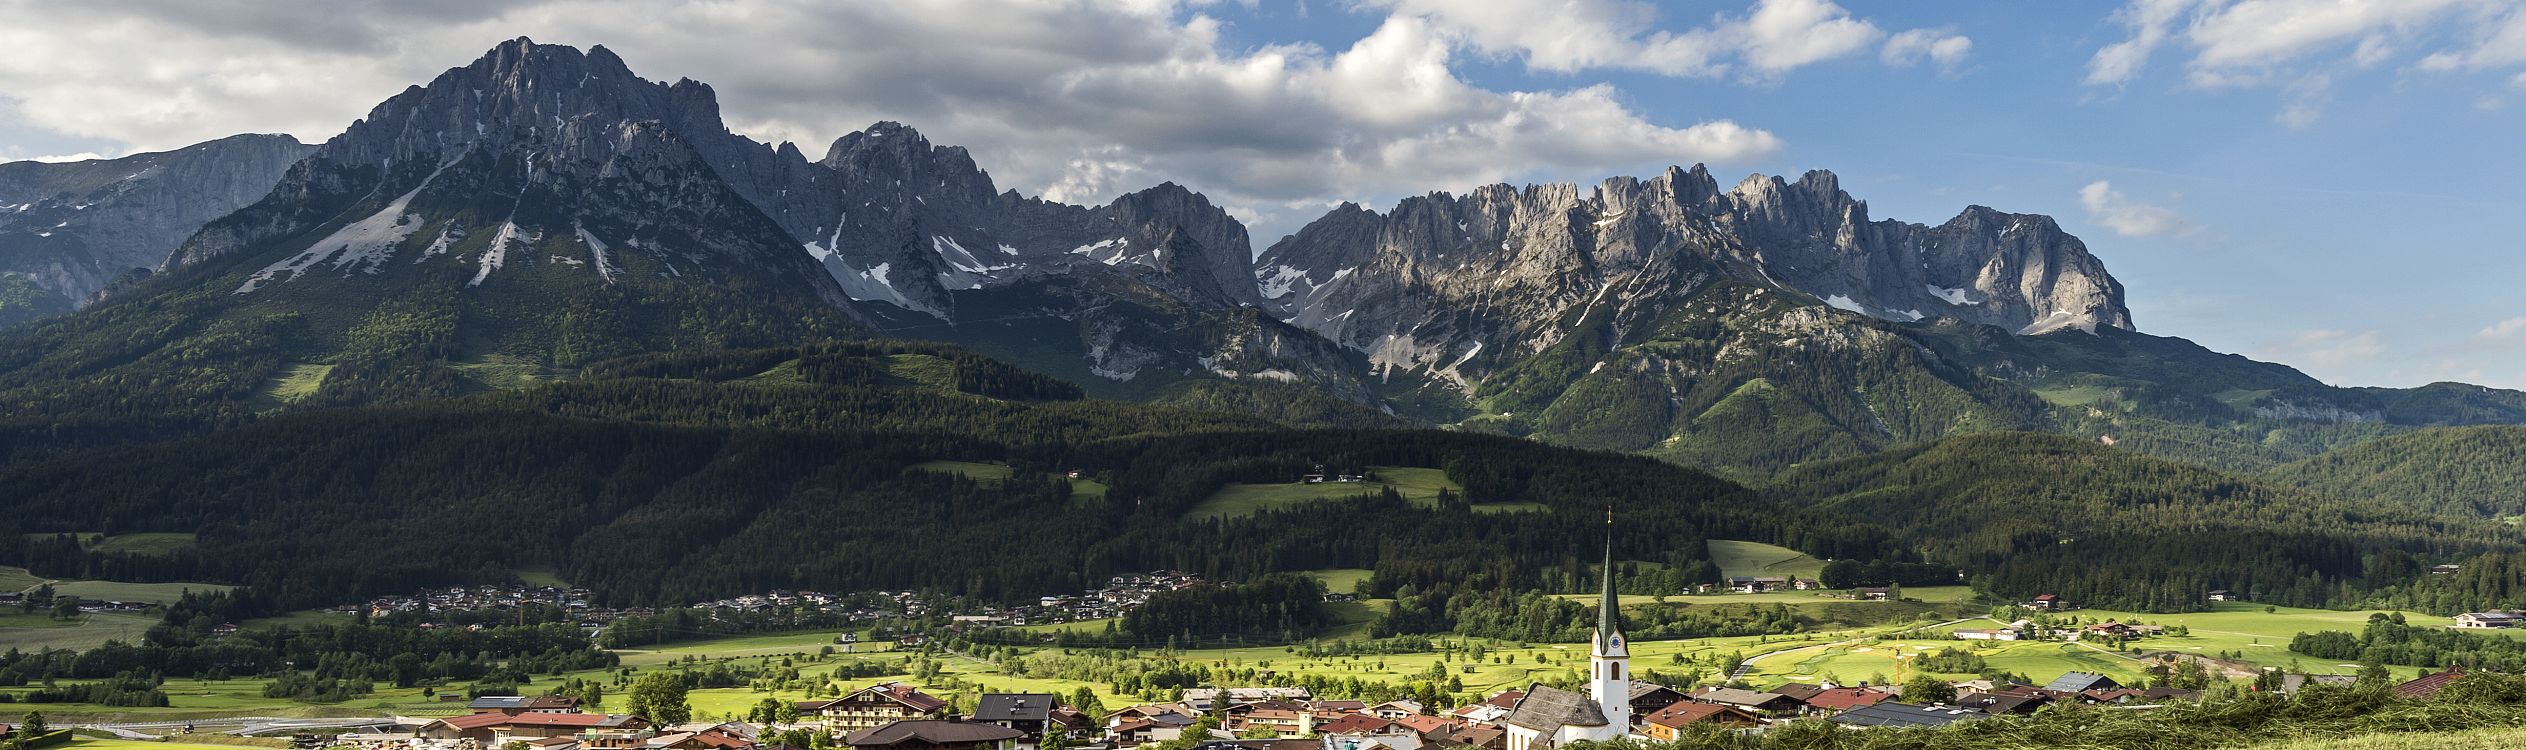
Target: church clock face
column 1618, row 641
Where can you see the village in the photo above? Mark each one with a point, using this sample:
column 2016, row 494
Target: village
column 1120, row 594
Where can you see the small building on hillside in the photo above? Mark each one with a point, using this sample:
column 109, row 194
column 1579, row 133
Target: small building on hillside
column 1756, row 584
column 2046, row 601
column 2223, row 595
column 1873, row 594
column 1991, row 634
column 2489, row 620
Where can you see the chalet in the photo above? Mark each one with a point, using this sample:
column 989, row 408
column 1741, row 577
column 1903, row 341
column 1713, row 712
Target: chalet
column 1481, row 736
column 1028, row 713
column 2223, row 595
column 723, row 737
column 1893, row 714
column 2046, row 601
column 1756, row 584
column 1994, row 634
column 2080, row 682
column 1666, row 724
column 2427, row 686
column 551, row 743
column 1799, row 690
column 2489, row 620
column 874, row 706
column 1284, row 722
column 1141, row 730
column 1748, row 700
column 1873, row 594
column 2108, row 628
column 1364, row 732
column 493, row 729
column 1428, row 726
column 1395, row 709
column 935, row 734
column 1648, row 697
column 1337, row 708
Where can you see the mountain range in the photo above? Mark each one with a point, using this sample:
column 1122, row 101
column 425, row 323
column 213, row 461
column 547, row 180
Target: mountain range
column 544, row 208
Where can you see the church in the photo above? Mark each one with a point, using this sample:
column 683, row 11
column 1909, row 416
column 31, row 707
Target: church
column 1548, row 716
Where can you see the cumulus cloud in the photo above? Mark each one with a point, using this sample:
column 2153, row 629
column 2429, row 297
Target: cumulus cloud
column 1767, row 41
column 1946, row 50
column 1157, row 95
column 2511, row 329
column 2128, row 217
column 2328, row 348
column 2296, row 45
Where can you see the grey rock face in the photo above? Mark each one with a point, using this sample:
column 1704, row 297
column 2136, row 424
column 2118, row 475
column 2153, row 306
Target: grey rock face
column 73, row 228
column 1444, row 284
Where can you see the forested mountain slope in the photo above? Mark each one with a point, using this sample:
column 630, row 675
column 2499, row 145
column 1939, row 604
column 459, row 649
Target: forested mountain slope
column 2470, row 471
column 2036, row 514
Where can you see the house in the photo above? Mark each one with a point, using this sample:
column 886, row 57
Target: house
column 1490, row 710
column 1893, row 714
column 1336, row 708
column 2080, row 682
column 6, row 730
column 224, row 630
column 1873, row 594
column 874, row 706
column 1648, row 697
column 1748, row 700
column 1477, row 736
column 1203, row 700
column 1756, row 584
column 2108, row 628
column 2489, row 620
column 1995, row 634
column 935, row 734
column 1136, row 731
column 492, row 729
column 1396, row 709
column 1364, row 732
column 2046, row 601
column 2003, row 704
column 1666, row 724
column 2223, row 595
column 1284, row 722
column 1428, row 726
column 1836, row 700
column 2445, row 570
column 1028, row 713
column 2427, row 686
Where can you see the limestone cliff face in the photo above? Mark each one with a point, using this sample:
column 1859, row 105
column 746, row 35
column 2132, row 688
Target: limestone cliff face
column 72, row 228
column 1444, row 284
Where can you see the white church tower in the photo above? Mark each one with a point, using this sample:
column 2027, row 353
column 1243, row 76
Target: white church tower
column 1610, row 683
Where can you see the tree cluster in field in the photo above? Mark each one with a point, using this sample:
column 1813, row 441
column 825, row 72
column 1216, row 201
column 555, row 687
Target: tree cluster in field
column 2389, row 639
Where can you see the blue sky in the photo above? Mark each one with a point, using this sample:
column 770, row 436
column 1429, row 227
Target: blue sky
column 2325, row 183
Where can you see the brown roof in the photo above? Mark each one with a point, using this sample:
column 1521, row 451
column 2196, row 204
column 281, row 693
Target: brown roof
column 1425, row 724
column 1799, row 690
column 1686, row 713
column 1844, row 699
column 932, row 731
column 2428, row 685
column 1358, row 724
column 1546, row 708
column 479, row 721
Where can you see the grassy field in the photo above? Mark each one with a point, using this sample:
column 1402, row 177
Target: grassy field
column 501, row 372
column 1080, row 489
column 295, row 384
column 1419, row 485
column 17, row 579
column 90, row 631
column 143, row 544
column 1736, row 558
column 154, row 593
column 1341, row 580
column 542, row 577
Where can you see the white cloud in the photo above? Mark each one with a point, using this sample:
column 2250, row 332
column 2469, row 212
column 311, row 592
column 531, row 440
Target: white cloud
column 1946, row 50
column 2506, row 330
column 2150, row 22
column 1157, row 95
column 1770, row 39
column 2304, row 101
column 2328, row 348
column 2127, row 217
column 59, row 158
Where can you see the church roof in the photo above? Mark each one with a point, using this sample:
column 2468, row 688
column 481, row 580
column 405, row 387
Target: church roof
column 1609, row 607
column 1546, row 708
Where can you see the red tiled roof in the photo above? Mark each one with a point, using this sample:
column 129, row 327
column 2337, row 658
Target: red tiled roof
column 1847, row 698
column 1425, row 724
column 2428, row 685
column 1354, row 724
column 1506, row 699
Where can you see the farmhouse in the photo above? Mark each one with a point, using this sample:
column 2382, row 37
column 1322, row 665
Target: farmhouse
column 2223, row 595
column 1873, row 594
column 1666, row 724
column 1748, row 700
column 874, row 706
column 2489, row 620
column 492, row 729
column 935, row 734
column 2080, row 682
column 1756, row 584
column 1996, row 634
column 2046, row 601
column 1028, row 713
column 1649, row 697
